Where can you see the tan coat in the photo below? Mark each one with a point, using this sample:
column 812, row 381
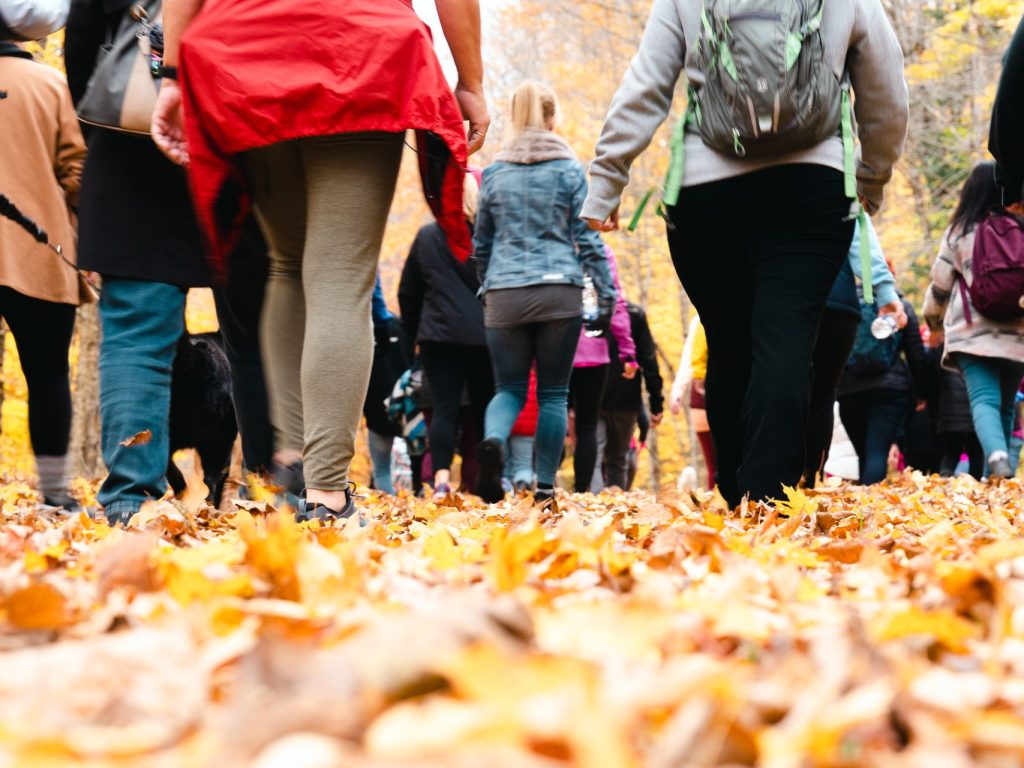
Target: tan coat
column 944, row 308
column 41, row 157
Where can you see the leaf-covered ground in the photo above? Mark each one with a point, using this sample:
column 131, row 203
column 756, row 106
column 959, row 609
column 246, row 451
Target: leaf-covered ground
column 846, row 628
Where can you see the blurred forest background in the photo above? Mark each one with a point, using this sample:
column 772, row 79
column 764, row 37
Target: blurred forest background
column 953, row 54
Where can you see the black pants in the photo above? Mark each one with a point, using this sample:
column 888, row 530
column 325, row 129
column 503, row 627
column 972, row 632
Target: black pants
column 955, row 445
column 758, row 254
column 620, row 426
column 874, row 421
column 42, row 331
column 453, row 369
column 239, row 307
column 836, row 335
column 586, row 393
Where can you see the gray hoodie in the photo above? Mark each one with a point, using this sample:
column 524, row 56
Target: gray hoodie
column 859, row 42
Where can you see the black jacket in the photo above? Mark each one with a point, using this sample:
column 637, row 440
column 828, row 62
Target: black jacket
column 135, row 214
column 1006, row 136
column 623, row 394
column 437, row 294
column 909, row 374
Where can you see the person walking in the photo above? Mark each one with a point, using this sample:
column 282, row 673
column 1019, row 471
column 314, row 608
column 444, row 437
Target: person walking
column 836, row 336
column 438, row 300
column 322, row 182
column 392, row 356
column 623, row 399
column 137, row 229
column 590, row 378
column 41, row 163
column 689, row 387
column 533, row 252
column 882, row 382
column 759, row 280
column 990, row 353
column 1006, row 134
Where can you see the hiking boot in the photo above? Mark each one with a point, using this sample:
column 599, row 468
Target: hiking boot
column 307, row 511
column 999, row 469
column 491, row 456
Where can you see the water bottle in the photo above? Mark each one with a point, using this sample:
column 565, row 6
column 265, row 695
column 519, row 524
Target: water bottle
column 591, row 309
column 883, row 327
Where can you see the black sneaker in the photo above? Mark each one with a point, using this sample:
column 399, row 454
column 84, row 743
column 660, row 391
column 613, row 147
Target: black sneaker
column 542, row 497
column 62, row 502
column 491, row 456
column 307, row 511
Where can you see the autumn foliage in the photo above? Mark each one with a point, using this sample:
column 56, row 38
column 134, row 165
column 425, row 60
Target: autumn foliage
column 842, row 628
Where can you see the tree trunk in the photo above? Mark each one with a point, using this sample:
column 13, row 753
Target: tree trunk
column 86, row 456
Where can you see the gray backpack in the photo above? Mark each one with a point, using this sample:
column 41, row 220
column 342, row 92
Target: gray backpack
column 767, row 89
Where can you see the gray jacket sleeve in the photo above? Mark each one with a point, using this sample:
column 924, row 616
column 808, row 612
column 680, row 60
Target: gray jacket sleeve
column 882, row 101
column 640, row 106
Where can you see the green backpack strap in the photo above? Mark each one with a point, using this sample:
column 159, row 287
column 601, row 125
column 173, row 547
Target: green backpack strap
column 677, row 161
column 856, row 209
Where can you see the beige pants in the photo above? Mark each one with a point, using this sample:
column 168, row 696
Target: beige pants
column 323, row 204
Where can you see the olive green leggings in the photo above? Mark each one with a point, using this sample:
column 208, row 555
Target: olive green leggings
column 323, row 203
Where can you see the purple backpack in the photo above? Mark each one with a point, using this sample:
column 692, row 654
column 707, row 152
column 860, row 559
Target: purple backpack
column 997, row 290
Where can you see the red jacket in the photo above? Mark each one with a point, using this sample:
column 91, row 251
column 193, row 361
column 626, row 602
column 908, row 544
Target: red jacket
column 260, row 72
column 526, row 424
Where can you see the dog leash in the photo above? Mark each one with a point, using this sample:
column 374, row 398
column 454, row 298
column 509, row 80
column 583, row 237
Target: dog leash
column 12, row 212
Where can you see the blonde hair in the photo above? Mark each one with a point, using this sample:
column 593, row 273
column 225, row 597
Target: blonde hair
column 534, row 105
column 470, row 197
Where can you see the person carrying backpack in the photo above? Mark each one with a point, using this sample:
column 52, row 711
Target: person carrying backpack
column 989, row 350
column 41, row 161
column 836, row 336
column 761, row 195
column 877, row 390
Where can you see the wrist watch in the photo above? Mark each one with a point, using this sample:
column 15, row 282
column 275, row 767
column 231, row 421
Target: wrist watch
column 167, row 73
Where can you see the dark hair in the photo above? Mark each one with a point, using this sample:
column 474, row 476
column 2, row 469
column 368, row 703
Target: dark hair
column 979, row 199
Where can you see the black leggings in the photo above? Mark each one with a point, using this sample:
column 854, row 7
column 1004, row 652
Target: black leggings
column 586, row 393
column 42, row 330
column 451, row 370
column 239, row 307
column 836, row 334
column 759, row 282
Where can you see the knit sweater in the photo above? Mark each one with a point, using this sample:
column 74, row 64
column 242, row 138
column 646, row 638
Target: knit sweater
column 859, row 41
column 944, row 308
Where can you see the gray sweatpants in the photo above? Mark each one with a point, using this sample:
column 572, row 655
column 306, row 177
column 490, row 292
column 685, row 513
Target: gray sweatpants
column 323, row 203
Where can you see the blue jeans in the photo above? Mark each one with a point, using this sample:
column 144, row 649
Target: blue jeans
column 141, row 323
column 874, row 420
column 551, row 345
column 380, row 457
column 992, row 384
column 519, row 467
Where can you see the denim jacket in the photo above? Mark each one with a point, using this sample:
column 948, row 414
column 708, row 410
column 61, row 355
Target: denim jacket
column 528, row 230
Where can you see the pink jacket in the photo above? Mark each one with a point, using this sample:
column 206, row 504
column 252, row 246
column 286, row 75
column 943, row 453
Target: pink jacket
column 594, row 351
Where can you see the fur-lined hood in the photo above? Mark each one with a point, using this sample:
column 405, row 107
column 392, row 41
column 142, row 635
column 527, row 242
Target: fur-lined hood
column 535, row 145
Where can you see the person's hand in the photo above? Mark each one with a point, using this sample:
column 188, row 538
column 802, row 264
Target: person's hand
column 921, row 406
column 698, row 386
column 1017, row 208
column 656, row 419
column 169, row 123
column 936, row 339
column 608, row 225
column 474, row 109
column 629, row 369
column 675, row 402
column 894, row 309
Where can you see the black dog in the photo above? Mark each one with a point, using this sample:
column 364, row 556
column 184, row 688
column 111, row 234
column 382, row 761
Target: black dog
column 202, row 412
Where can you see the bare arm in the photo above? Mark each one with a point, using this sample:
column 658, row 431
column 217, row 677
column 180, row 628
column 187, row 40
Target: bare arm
column 460, row 20
column 178, row 14
column 168, row 122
